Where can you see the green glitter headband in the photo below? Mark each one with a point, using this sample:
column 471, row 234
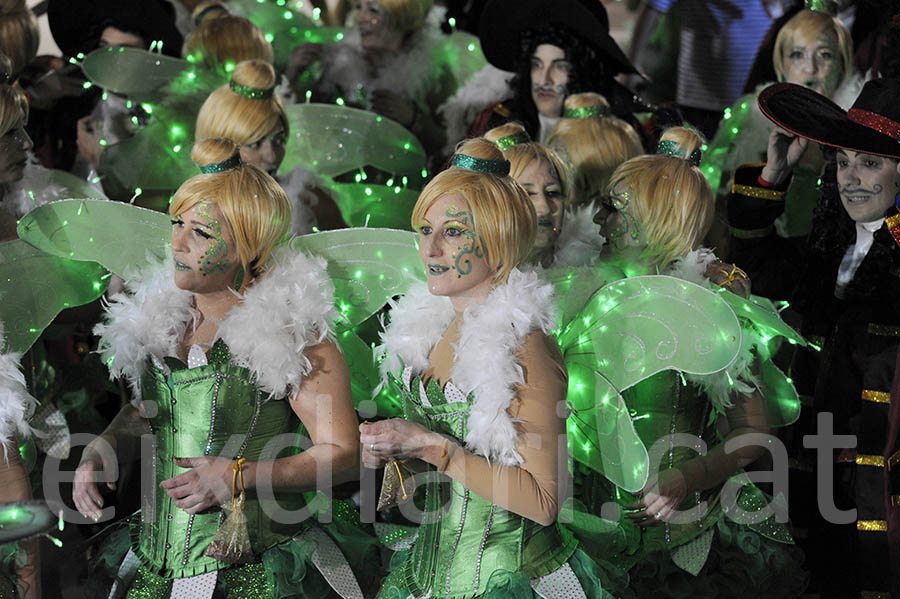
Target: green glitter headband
column 253, row 93
column 586, row 112
column 481, row 165
column 827, row 6
column 233, row 161
column 671, row 148
column 519, row 137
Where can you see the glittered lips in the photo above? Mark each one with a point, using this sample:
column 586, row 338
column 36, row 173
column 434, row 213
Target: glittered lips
column 179, row 265
column 437, row 269
column 545, row 223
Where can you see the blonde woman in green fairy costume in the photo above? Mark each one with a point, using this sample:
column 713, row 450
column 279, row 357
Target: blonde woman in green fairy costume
column 228, row 348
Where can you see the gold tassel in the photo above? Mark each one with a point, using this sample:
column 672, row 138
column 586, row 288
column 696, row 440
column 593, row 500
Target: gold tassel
column 393, row 487
column 232, row 542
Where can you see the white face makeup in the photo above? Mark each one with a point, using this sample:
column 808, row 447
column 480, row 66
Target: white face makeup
column 451, row 251
column 116, row 37
column 815, row 63
column 203, row 249
column 868, row 184
column 14, row 147
column 540, row 181
column 268, row 152
column 549, row 79
column 375, row 29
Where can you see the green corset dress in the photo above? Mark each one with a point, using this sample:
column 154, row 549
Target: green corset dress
column 457, row 553
column 212, row 410
column 216, row 409
column 760, row 551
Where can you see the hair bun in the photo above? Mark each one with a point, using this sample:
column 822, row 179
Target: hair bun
column 479, row 147
column 213, row 150
column 254, row 73
column 584, row 100
column 686, row 139
column 504, row 130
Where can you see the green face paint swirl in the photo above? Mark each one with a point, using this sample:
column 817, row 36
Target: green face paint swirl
column 215, row 259
column 461, row 262
column 629, row 225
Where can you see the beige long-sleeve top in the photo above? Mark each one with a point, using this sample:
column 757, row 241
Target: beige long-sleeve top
column 530, row 489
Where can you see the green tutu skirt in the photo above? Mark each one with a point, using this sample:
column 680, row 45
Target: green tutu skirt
column 598, row 580
column 284, row 571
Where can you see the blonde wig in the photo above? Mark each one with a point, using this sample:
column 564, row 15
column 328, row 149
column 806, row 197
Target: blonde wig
column 243, row 120
column 19, row 34
column 522, row 154
column 593, row 146
column 208, row 10
column 669, row 198
column 504, row 216
column 13, row 103
column 220, row 42
column 256, row 208
column 406, row 16
column 805, row 28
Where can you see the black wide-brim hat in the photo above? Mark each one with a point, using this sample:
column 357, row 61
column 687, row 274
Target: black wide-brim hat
column 871, row 126
column 503, row 21
column 76, row 25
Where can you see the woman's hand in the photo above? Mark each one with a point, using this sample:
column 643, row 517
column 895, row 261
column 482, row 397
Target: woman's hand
column 207, row 484
column 660, row 499
column 393, row 439
column 730, row 277
column 85, row 493
column 783, row 154
column 394, row 106
column 88, row 140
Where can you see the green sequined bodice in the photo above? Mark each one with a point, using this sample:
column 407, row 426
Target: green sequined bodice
column 212, row 410
column 456, row 553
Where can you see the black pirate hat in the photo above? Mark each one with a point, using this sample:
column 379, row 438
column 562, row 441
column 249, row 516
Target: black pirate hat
column 871, row 126
column 76, row 25
column 504, row 21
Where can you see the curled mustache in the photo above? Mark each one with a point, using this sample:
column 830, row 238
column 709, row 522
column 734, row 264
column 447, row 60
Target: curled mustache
column 876, row 189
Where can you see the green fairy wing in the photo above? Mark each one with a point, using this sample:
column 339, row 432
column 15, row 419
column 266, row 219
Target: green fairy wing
column 764, row 328
column 114, row 234
column 573, row 286
column 630, row 330
column 146, row 76
column 157, row 157
column 36, row 286
column 331, row 140
column 364, row 205
column 461, row 52
column 284, row 27
column 367, row 266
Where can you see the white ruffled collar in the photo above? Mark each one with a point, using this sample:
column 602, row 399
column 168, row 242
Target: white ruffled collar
column 485, row 365
column 284, row 312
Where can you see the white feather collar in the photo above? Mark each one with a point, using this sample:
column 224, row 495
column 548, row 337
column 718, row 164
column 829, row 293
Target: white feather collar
column 579, row 242
column 490, row 336
column 410, row 72
column 281, row 314
column 16, row 403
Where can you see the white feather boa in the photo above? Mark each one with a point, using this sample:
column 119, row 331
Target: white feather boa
column 32, row 190
column 485, row 357
column 579, row 242
column 283, row 313
column 16, row 403
column 738, row 377
column 409, row 73
column 299, row 185
column 487, row 87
